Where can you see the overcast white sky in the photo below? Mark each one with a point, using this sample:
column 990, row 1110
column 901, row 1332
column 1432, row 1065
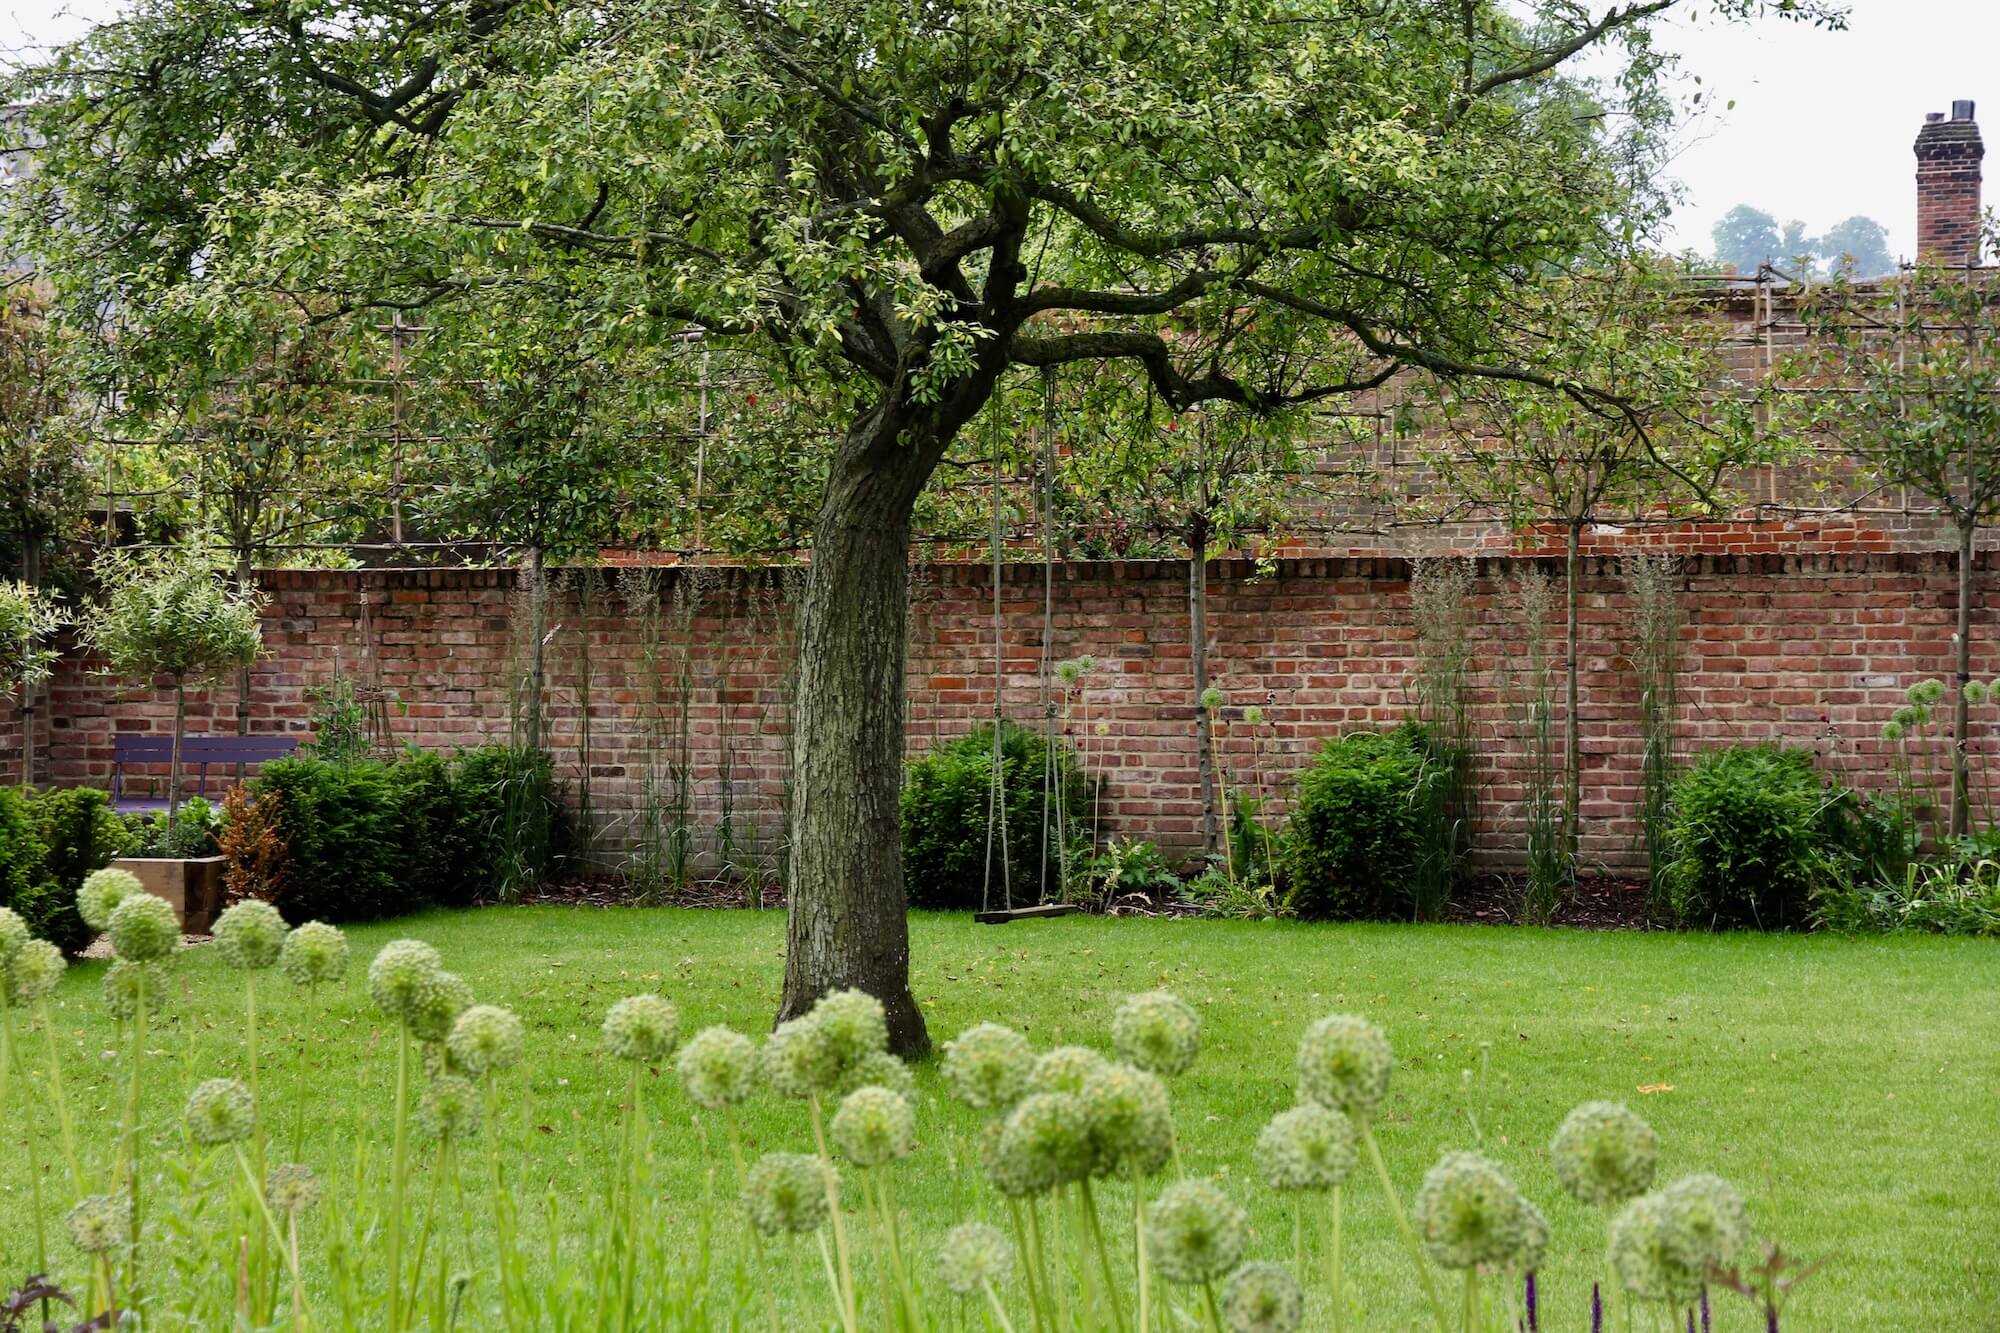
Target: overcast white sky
column 1821, row 128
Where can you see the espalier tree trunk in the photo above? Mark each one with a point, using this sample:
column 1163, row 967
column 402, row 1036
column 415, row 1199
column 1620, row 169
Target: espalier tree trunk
column 1961, row 783
column 1204, row 724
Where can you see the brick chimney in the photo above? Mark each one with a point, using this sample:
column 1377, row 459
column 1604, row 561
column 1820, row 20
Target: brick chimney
column 1948, row 154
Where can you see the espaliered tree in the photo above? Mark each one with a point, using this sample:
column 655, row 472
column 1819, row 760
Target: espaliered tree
column 891, row 210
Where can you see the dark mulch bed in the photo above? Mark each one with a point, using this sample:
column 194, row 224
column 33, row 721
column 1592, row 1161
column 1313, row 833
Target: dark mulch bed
column 1600, row 903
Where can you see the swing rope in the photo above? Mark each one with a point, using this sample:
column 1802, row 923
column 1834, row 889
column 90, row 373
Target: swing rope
column 996, row 803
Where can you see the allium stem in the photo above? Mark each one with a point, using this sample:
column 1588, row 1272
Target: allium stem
column 129, row 1151
column 399, row 1164
column 1336, row 1280
column 1209, row 1306
column 1367, row 1126
column 1472, row 1299
column 756, row 1237
column 848, row 1318
column 1030, row 1264
column 999, row 1310
column 896, row 1246
column 1094, row 1225
column 61, row 1098
column 503, row 1225
column 1139, row 1249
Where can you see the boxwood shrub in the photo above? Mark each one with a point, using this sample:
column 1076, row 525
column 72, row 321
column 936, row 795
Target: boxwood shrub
column 1369, row 836
column 1754, row 836
column 49, row 840
column 945, row 796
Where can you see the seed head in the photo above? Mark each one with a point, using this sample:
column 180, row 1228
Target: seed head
column 1926, row 693
column 315, row 954
column 718, row 1067
column 1130, row 1120
column 875, row 1126
column 1211, row 698
column 1262, row 1297
column 1309, row 1147
column 1909, row 717
column 124, row 982
column 291, row 1188
column 449, row 1108
column 798, row 1059
column 144, row 929
column 1065, row 1069
column 100, row 1222
column 250, row 935
column 1977, row 693
column 1194, row 1232
column 403, row 978
column 1892, row 730
column 32, row 974
column 14, row 933
column 877, row 1069
column 1158, row 1032
column 987, row 1066
column 1069, row 672
column 1605, row 1154
column 853, row 1025
column 974, row 1256
column 1638, row 1253
column 431, row 1019
column 1703, row 1223
column 1469, row 1214
column 1043, row 1142
column 785, row 1194
column 642, row 1027
column 1344, row 1063
column 219, row 1111
column 1254, row 715
column 485, row 1040
column 100, row 894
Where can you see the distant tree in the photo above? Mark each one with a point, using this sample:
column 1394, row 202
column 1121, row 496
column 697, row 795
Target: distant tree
column 1797, row 252
column 1745, row 238
column 1858, row 246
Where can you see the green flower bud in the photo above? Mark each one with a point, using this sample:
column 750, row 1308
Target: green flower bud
column 1065, row 1069
column 852, row 1024
column 1211, row 698
column 144, row 929
column 987, row 1066
column 100, row 894
column 219, row 1111
column 1604, row 1154
column 431, row 1018
column 1977, row 694
column 718, row 1067
column 403, row 978
column 315, row 954
column 34, row 973
column 1262, row 1298
column 100, row 1222
column 1254, row 715
column 1129, row 1118
column 1306, row 1148
column 1926, row 693
column 875, row 1126
column 1157, row 1032
column 973, row 1257
column 1909, row 717
column 798, row 1060
column 1469, row 1214
column 1194, row 1232
column 291, row 1189
column 1892, row 730
column 642, row 1027
column 485, row 1039
column 785, row 1194
column 250, row 935
column 1344, row 1064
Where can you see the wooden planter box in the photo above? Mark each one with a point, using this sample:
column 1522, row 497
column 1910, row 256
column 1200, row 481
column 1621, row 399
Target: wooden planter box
column 193, row 886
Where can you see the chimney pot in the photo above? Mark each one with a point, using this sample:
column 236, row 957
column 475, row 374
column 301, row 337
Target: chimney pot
column 1948, row 179
column 1933, row 117
column 1961, row 110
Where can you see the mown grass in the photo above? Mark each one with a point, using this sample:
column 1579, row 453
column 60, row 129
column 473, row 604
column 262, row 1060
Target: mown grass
column 1847, row 1085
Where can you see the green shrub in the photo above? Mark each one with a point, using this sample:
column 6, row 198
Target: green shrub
column 1754, row 836
column 509, row 817
column 1369, row 837
column 79, row 834
column 1948, row 897
column 1129, row 866
column 196, row 830
column 441, row 849
column 345, row 839
column 945, row 797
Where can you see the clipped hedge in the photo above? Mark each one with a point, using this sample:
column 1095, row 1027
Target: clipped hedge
column 944, row 815
column 1754, row 836
column 1368, row 838
column 50, row 840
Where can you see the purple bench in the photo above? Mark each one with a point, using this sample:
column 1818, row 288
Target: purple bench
column 197, row 752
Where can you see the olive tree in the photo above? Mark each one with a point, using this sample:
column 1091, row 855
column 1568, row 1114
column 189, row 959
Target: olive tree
column 890, row 211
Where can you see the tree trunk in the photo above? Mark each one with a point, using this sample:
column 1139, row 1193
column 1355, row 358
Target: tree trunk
column 174, row 755
column 243, row 580
column 846, row 923
column 1961, row 785
column 1572, row 725
column 1204, row 732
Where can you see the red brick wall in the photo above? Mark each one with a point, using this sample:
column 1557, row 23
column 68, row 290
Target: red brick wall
column 1814, row 650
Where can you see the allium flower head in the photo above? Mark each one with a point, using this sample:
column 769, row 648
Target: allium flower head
column 1535, row 1236
column 1469, row 1214
column 315, row 954
column 485, row 1039
column 1977, row 693
column 974, row 1256
column 877, row 1069
column 1254, row 715
column 1909, row 717
column 250, row 935
column 449, row 1108
column 1130, row 1119
column 1638, row 1253
column 100, row 894
column 1069, row 672
column 291, row 1188
column 642, row 1027
column 1704, row 1223
column 1065, row 1069
column 852, row 1024
column 1211, row 698
column 125, row 981
column 219, row 1111
column 1044, row 1142
column 1344, row 1063
column 1605, row 1153
column 32, row 974
column 1926, row 693
column 718, row 1067
column 798, row 1059
column 1892, row 730
column 1262, row 1298
column 144, row 929
column 13, row 934
column 1157, row 1031
column 785, row 1193
column 100, row 1222
column 1195, row 1232
column 987, row 1066
column 431, row 1019
column 1309, row 1147
column 403, row 978
column 875, row 1126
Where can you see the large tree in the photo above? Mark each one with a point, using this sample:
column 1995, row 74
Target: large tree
column 889, row 210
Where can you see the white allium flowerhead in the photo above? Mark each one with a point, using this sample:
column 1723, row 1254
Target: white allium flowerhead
column 315, row 954
column 291, row 1188
column 431, row 1018
column 1605, row 1153
column 875, row 1126
column 1309, row 1147
column 798, row 1060
column 125, row 981
column 1195, row 1232
column 1704, row 1223
column 14, row 934
column 100, row 1222
column 144, row 929
column 449, row 1108
column 403, row 977
column 1211, row 698
column 1064, row 1069
column 32, row 974
column 1344, row 1063
column 1130, row 1118
column 1535, row 1236
column 219, row 1111
column 974, row 1256
column 1043, row 1142
column 1069, row 672
column 1638, row 1253
column 718, row 1068
column 877, row 1069
column 485, row 1039
column 642, row 1027
column 100, row 894
column 1254, row 715
column 853, row 1025
column 1157, row 1032
column 785, row 1193
column 987, row 1066
column 1977, row 693
column 1262, row 1297
column 250, row 935
column 1469, row 1214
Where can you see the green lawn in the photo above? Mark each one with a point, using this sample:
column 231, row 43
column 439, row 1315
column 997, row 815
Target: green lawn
column 1848, row 1086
